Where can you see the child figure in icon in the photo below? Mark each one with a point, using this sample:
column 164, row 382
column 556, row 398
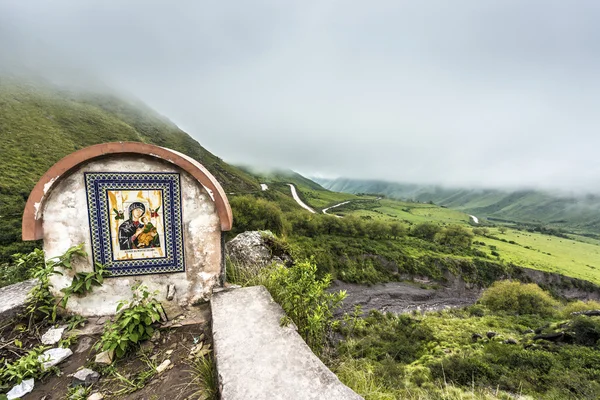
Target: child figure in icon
column 137, row 232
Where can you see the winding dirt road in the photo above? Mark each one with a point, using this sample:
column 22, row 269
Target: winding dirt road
column 297, row 198
column 337, row 205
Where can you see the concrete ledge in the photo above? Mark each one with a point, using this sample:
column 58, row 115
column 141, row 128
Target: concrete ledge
column 13, row 297
column 259, row 359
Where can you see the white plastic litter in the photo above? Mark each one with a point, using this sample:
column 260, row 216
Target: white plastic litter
column 20, row 390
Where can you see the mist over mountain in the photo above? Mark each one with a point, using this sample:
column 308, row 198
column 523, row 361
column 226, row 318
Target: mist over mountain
column 470, row 94
column 559, row 209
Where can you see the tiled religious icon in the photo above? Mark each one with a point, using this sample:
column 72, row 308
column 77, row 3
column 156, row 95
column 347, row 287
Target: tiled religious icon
column 135, row 222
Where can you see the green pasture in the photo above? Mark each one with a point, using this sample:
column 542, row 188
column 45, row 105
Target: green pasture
column 574, row 258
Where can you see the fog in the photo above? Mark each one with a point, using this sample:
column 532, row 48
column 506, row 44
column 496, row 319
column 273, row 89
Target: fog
column 463, row 93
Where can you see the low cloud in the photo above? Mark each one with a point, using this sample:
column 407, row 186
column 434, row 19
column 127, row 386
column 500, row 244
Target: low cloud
column 464, row 93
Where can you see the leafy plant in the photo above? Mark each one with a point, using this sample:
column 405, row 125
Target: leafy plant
column 78, row 392
column 305, row 300
column 41, row 301
column 21, row 267
column 75, row 321
column 133, row 322
column 83, row 282
column 27, row 366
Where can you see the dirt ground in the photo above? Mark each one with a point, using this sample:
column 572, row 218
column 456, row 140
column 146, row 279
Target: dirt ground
column 135, row 376
column 402, row 297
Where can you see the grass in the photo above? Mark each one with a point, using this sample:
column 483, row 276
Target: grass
column 575, row 258
column 434, row 356
column 578, row 257
column 412, row 213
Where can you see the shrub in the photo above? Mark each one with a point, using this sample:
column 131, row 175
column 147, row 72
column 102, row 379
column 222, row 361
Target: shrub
column 579, row 306
column 22, row 267
column 518, row 298
column 251, row 214
column 426, row 231
column 304, row 299
column 586, row 330
column 454, row 236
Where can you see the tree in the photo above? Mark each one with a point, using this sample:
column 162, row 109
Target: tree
column 455, row 236
column 397, row 229
column 425, row 230
column 502, row 230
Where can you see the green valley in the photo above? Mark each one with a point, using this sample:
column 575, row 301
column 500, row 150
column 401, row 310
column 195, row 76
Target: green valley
column 501, row 345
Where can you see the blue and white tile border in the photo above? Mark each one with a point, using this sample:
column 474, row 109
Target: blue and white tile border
column 97, row 186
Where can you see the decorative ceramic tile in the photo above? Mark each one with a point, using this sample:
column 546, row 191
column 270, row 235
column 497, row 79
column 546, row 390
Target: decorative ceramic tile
column 135, row 222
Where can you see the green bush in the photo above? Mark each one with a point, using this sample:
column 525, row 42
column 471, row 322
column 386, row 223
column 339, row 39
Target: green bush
column 518, row 298
column 305, row 300
column 252, row 214
column 586, row 330
column 425, row 230
column 21, row 268
column 455, row 236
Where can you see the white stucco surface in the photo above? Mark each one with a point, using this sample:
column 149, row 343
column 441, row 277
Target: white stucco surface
column 65, row 224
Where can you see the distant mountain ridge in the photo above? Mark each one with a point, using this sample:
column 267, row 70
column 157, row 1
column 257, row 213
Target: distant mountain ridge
column 581, row 214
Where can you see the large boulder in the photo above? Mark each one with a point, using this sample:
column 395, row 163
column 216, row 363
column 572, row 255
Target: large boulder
column 254, row 250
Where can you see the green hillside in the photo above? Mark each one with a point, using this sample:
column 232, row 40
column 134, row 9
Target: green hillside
column 309, row 191
column 577, row 214
column 40, row 124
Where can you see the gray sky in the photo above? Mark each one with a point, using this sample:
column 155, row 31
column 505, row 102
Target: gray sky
column 484, row 93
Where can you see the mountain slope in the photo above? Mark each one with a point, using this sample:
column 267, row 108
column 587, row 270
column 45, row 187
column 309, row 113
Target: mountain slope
column 581, row 214
column 41, row 123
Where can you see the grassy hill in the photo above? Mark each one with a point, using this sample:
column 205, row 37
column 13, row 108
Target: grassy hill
column 579, row 214
column 41, row 123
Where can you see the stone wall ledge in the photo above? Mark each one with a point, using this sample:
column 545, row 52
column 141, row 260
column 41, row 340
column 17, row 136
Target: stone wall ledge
column 13, row 298
column 258, row 359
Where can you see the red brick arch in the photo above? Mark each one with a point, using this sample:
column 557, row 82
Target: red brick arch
column 33, row 218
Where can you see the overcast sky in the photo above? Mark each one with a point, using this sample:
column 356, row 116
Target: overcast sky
column 485, row 93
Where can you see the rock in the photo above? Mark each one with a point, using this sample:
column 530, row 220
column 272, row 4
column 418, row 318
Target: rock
column 102, row 320
column 528, row 331
column 551, row 337
column 169, row 352
column 491, row 334
column 250, row 251
column 106, row 357
column 589, row 313
column 21, row 389
column 155, row 336
column 52, row 357
column 85, row 377
column 53, row 336
column 170, row 292
column 147, row 346
column 476, row 336
column 510, row 341
column 14, row 297
column 163, row 366
column 85, row 344
column 96, row 396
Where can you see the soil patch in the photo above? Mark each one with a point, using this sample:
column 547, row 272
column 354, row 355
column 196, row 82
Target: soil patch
column 402, row 297
column 135, row 375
